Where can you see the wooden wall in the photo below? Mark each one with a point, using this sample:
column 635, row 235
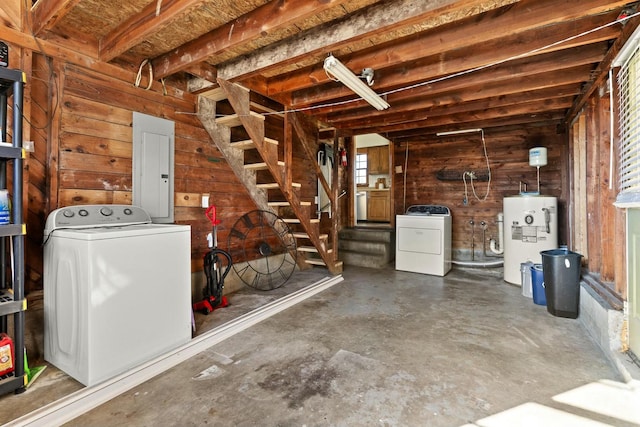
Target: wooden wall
column 83, row 132
column 599, row 226
column 35, row 166
column 508, row 152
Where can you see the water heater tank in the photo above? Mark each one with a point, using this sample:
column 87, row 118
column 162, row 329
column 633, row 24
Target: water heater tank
column 530, row 226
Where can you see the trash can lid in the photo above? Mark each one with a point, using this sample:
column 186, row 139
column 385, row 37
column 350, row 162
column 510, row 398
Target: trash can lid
column 559, row 252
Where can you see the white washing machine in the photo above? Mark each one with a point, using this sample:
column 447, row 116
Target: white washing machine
column 117, row 289
column 423, row 240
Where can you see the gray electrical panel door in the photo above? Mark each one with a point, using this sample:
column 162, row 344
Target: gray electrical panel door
column 153, row 156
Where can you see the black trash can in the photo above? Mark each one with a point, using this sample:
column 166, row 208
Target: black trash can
column 561, row 271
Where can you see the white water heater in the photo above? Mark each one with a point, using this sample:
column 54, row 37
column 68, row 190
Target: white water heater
column 530, row 226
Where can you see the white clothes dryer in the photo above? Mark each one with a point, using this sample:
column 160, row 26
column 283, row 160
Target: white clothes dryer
column 423, row 240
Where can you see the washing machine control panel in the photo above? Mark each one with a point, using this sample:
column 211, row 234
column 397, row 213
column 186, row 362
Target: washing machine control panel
column 85, row 216
column 428, row 210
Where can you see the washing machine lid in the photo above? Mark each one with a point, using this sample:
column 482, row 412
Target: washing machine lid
column 117, row 232
column 438, row 210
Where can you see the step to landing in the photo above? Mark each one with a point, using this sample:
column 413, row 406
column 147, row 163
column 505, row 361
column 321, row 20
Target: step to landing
column 368, row 234
column 372, row 248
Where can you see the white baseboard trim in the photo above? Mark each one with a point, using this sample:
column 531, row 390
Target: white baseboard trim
column 69, row 407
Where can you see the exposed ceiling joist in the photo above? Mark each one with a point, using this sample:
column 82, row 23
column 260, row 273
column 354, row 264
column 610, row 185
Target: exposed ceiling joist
column 538, row 30
column 46, row 13
column 250, row 26
column 366, row 24
column 441, row 64
column 135, row 29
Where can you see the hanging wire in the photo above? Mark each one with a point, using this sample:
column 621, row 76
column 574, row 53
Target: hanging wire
column 139, row 75
column 471, row 175
column 460, row 73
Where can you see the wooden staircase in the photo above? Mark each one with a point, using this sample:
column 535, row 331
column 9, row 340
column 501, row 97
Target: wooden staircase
column 255, row 160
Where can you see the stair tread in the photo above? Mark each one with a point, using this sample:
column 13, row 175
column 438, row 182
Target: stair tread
column 270, row 185
column 247, row 144
column 260, row 165
column 215, row 94
column 233, row 120
column 307, row 249
column 285, row 203
column 319, row 261
column 301, row 235
column 297, row 221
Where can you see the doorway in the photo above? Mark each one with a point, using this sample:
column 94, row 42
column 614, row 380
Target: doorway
column 373, row 189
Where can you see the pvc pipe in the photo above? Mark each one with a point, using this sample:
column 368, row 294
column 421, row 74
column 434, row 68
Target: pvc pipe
column 500, row 236
column 496, row 263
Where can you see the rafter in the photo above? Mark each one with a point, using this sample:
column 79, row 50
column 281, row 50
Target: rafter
column 491, row 82
column 267, row 18
column 457, row 103
column 46, row 13
column 479, row 83
column 362, row 25
column 498, row 41
column 135, row 29
column 428, row 130
column 603, row 67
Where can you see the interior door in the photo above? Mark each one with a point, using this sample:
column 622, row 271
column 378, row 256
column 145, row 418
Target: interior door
column 633, row 263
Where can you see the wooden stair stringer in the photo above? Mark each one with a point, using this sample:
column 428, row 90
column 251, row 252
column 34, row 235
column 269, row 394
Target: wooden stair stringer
column 239, row 98
column 221, row 136
column 312, row 231
column 305, row 132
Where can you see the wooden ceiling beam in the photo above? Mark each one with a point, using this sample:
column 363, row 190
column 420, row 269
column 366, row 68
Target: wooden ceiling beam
column 465, row 87
column 528, row 15
column 523, row 108
column 414, row 111
column 46, row 13
column 490, row 80
column 250, row 26
column 362, row 25
column 203, row 71
column 429, row 131
column 468, row 59
column 475, row 57
column 602, row 70
column 148, row 21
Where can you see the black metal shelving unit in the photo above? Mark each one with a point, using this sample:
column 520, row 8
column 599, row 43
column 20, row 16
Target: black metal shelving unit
column 12, row 298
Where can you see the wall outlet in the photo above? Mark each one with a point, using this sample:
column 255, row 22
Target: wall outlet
column 28, row 146
column 398, row 169
column 205, row 201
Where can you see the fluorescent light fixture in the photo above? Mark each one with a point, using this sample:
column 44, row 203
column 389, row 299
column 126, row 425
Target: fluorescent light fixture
column 337, row 70
column 458, row 132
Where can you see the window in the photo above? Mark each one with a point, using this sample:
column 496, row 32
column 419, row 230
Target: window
column 629, row 145
column 362, row 177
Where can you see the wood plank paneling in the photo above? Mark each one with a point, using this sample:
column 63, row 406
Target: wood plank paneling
column 508, row 153
column 90, row 154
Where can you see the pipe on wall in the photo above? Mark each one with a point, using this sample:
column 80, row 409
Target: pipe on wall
column 492, row 246
column 495, row 263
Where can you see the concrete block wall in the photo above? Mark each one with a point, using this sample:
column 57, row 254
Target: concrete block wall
column 606, row 326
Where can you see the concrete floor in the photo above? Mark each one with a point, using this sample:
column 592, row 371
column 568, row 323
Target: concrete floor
column 383, row 347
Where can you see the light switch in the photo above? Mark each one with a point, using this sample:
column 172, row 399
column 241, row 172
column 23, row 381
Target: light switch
column 205, row 201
